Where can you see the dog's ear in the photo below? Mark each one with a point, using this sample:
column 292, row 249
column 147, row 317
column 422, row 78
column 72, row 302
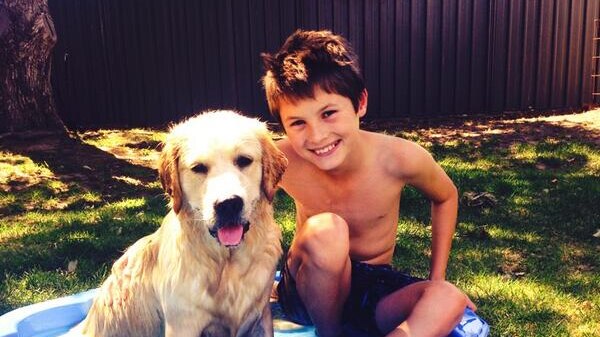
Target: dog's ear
column 168, row 170
column 274, row 163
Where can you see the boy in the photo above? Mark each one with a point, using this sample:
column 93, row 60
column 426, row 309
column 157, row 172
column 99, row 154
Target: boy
column 346, row 184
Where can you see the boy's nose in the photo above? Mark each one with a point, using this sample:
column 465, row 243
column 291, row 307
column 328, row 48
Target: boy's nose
column 316, row 134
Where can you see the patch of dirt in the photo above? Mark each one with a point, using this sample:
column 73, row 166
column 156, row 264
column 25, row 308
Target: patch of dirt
column 512, row 264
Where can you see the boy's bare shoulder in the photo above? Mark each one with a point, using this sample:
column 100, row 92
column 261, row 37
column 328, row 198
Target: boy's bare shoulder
column 402, row 157
column 295, row 162
column 297, row 170
column 286, row 147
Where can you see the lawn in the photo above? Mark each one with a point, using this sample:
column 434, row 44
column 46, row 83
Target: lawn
column 526, row 249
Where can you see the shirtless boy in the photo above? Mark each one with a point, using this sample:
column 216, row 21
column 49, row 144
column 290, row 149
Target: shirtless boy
column 346, row 184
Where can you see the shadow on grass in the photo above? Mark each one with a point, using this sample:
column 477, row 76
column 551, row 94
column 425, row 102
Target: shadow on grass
column 479, row 130
column 75, row 203
column 73, row 161
column 540, row 226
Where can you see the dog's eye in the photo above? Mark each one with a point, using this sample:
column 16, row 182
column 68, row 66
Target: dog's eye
column 243, row 161
column 200, row 168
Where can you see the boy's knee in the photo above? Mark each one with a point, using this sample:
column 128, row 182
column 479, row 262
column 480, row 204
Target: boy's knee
column 326, row 239
column 326, row 228
column 454, row 298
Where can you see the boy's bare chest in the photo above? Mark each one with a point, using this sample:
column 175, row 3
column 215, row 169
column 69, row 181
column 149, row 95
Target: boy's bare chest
column 363, row 201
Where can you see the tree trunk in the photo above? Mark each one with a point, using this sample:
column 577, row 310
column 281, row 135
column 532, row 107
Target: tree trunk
column 27, row 37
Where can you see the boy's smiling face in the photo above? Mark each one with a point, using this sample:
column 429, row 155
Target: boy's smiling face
column 323, row 129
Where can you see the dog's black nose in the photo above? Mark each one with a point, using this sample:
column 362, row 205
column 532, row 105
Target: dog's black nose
column 230, row 207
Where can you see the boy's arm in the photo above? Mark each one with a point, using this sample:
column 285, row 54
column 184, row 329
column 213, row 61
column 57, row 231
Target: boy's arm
column 422, row 172
column 443, row 224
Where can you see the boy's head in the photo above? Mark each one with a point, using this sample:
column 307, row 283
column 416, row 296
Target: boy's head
column 311, row 59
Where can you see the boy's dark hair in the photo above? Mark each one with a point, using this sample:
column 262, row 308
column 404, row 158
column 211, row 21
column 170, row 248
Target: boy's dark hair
column 309, row 59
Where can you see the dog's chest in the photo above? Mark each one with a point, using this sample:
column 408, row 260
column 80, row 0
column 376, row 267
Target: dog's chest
column 240, row 290
column 229, row 291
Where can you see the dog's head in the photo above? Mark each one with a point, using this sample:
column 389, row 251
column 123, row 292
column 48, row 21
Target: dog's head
column 217, row 166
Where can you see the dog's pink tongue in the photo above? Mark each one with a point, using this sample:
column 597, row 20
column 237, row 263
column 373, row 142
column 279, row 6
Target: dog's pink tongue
column 230, row 235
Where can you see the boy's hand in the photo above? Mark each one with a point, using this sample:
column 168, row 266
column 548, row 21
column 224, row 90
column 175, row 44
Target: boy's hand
column 470, row 304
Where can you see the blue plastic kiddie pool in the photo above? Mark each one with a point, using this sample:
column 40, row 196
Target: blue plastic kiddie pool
column 56, row 317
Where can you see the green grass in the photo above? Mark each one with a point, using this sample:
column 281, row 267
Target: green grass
column 529, row 260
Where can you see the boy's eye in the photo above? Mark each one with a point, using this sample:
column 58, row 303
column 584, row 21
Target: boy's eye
column 328, row 113
column 296, row 123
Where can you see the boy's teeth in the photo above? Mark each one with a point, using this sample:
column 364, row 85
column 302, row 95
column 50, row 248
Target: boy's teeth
column 325, row 149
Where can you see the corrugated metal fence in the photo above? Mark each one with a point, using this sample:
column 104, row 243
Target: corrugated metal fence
column 146, row 62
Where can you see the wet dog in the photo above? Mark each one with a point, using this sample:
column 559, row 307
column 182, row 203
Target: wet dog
column 208, row 270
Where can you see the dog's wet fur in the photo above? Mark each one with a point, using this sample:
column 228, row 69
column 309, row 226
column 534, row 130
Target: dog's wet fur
column 208, row 270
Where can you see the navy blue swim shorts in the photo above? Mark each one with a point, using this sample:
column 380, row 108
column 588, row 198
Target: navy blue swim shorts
column 369, row 284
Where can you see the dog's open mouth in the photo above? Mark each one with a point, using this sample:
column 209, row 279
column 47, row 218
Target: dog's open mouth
column 231, row 234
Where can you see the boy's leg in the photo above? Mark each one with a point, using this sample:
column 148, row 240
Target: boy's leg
column 318, row 261
column 427, row 308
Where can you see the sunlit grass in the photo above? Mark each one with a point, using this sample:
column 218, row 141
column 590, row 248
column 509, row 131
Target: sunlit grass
column 137, row 145
column 528, row 259
column 37, row 285
column 48, row 241
column 47, row 222
column 517, row 306
column 479, row 164
column 21, row 170
column 117, row 138
column 501, row 233
column 285, row 217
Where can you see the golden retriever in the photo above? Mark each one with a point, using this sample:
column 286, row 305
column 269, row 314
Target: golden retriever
column 208, row 270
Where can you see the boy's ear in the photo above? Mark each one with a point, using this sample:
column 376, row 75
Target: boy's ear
column 362, row 103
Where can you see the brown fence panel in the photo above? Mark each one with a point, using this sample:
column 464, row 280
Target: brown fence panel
column 464, row 36
column 143, row 63
column 402, row 64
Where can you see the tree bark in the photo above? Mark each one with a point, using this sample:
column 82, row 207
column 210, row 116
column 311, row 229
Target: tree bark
column 27, row 37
